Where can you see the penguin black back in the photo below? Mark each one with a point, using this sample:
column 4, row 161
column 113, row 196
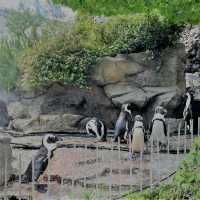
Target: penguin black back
column 40, row 161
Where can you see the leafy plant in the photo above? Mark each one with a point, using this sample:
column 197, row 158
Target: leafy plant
column 68, row 57
column 8, row 65
column 25, row 29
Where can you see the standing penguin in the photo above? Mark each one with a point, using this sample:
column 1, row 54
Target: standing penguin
column 97, row 128
column 187, row 112
column 41, row 158
column 158, row 130
column 123, row 121
column 138, row 135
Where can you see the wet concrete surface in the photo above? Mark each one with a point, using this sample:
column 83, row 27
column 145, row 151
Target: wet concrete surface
column 78, row 168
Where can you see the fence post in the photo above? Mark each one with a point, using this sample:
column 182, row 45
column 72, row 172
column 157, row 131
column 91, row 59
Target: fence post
column 48, row 175
column 191, row 130
column 198, row 126
column 110, row 182
column 141, row 170
column 85, row 157
column 33, row 178
column 119, row 157
column 97, row 155
column 130, row 158
column 20, row 176
column 168, row 140
column 151, row 164
column 178, row 142
column 158, row 159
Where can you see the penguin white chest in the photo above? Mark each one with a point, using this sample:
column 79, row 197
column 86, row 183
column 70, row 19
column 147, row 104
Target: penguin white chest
column 138, row 140
column 158, row 134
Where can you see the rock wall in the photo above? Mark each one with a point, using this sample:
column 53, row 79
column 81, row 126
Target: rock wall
column 61, row 108
column 191, row 39
column 133, row 78
column 136, row 79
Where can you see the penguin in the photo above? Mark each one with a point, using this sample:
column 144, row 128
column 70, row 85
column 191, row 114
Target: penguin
column 138, row 135
column 123, row 122
column 41, row 158
column 158, row 129
column 187, row 112
column 97, row 128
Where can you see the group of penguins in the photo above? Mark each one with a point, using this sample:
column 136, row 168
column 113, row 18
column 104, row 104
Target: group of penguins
column 98, row 128
column 137, row 134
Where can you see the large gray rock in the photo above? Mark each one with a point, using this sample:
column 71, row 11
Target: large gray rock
column 4, row 118
column 17, row 110
column 48, row 123
column 86, row 102
column 142, row 81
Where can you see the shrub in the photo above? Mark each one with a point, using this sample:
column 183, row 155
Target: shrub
column 60, row 59
column 68, row 57
column 8, row 65
column 25, row 29
column 22, row 32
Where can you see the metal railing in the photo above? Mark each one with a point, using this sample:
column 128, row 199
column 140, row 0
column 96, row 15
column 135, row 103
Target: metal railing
column 116, row 171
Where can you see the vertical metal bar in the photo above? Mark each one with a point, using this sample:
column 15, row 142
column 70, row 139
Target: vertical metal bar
column 33, row 178
column 73, row 175
column 185, row 132
column 20, row 176
column 168, row 139
column 141, row 170
column 102, row 166
column 85, row 157
column 110, row 176
column 129, row 146
column 130, row 158
column 178, row 142
column 119, row 157
column 62, row 178
column 48, row 175
column 5, row 171
column 198, row 126
column 158, row 160
column 151, row 164
column 97, row 157
column 191, row 130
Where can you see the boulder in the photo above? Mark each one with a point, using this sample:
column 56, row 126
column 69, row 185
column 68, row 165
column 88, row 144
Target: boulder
column 92, row 102
column 17, row 110
column 48, row 123
column 4, row 117
column 114, row 69
column 142, row 81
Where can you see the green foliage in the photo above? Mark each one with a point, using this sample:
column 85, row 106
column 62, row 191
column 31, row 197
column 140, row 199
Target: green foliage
column 185, row 184
column 68, row 57
column 25, row 29
column 22, row 33
column 8, row 65
column 187, row 11
column 60, row 59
